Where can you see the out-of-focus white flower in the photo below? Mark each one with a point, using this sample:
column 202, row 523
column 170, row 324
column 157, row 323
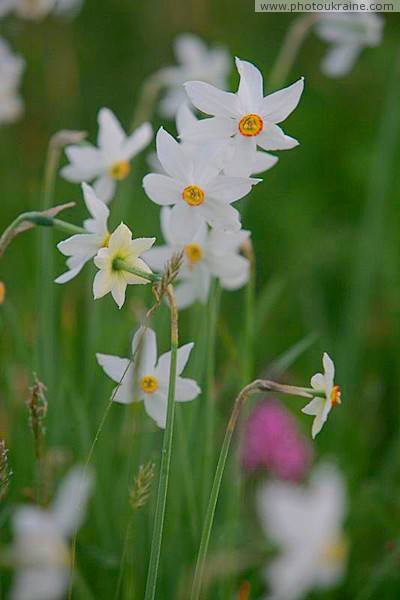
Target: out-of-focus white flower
column 7, row 6
column 36, row 10
column 41, row 551
column 247, row 119
column 348, row 34
column 67, row 8
column 120, row 246
column 196, row 61
column 81, row 248
column 11, row 70
column 210, row 253
column 324, row 383
column 306, row 523
column 195, row 187
column 146, row 378
column 108, row 163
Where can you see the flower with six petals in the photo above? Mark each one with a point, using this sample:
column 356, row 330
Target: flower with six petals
column 196, row 188
column 110, row 162
column 247, row 119
column 122, row 247
column 146, row 378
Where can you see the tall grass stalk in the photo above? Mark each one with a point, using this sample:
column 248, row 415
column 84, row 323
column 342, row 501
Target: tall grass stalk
column 209, row 409
column 165, row 456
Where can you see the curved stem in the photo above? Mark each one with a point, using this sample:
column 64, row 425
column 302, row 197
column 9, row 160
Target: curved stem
column 292, row 43
column 257, row 386
column 165, row 456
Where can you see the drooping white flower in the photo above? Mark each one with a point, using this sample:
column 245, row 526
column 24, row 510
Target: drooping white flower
column 83, row 247
column 196, row 61
column 306, row 523
column 120, row 246
column 11, row 70
column 196, row 188
column 247, row 119
column 347, row 33
column 147, row 378
column 108, row 163
column 324, row 383
column 41, row 550
column 209, row 254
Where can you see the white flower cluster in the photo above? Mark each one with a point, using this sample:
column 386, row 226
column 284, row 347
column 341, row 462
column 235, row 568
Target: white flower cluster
column 200, row 177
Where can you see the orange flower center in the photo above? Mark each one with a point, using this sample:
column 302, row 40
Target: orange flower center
column 335, row 395
column 193, row 195
column 250, row 125
column 119, row 170
column 193, row 253
column 149, row 384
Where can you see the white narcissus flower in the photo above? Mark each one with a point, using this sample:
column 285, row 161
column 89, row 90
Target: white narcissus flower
column 247, row 119
column 41, row 548
column 323, row 383
column 11, row 70
column 82, row 247
column 209, row 254
column 120, row 246
column 306, row 522
column 148, row 376
column 110, row 162
column 196, row 61
column 348, row 34
column 196, row 188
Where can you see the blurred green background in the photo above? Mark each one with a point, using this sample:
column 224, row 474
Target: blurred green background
column 325, row 228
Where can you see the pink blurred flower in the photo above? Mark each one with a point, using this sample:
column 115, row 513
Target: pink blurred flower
column 272, row 442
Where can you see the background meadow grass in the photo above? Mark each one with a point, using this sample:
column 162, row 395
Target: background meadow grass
column 325, row 227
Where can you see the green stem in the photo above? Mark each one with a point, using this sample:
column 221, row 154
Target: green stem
column 121, row 265
column 165, row 456
column 249, row 326
column 210, row 392
column 212, row 503
column 289, row 51
column 68, row 227
column 257, row 386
